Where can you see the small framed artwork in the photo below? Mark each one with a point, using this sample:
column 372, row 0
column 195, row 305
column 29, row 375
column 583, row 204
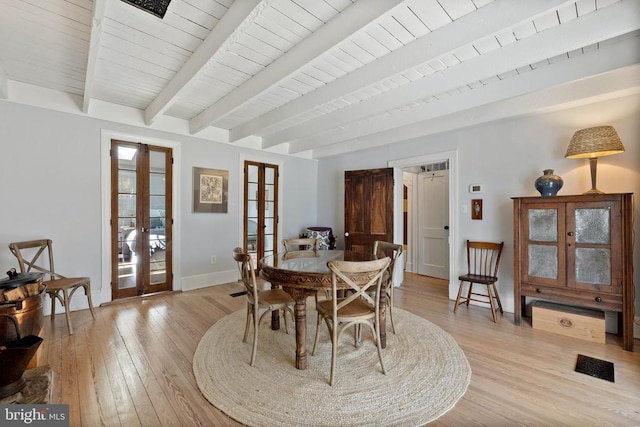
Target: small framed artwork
column 210, row 190
column 476, row 209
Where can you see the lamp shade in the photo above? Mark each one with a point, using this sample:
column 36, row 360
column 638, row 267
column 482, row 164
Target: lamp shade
column 594, row 142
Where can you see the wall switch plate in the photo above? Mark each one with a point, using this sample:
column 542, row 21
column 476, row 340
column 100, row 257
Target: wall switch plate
column 213, row 259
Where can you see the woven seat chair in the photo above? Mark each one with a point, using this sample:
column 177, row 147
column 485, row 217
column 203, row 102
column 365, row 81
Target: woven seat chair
column 357, row 308
column 59, row 287
column 483, row 259
column 303, row 247
column 265, row 301
column 307, row 246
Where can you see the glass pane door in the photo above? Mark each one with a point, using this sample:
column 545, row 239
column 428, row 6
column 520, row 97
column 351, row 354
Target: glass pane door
column 127, row 216
column 158, row 204
column 141, row 229
column 591, row 262
column 269, row 209
column 260, row 209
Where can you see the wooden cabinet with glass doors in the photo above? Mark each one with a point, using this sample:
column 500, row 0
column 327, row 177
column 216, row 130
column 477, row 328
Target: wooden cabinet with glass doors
column 576, row 250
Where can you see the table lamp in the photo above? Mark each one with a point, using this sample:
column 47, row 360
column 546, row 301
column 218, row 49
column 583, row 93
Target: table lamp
column 592, row 143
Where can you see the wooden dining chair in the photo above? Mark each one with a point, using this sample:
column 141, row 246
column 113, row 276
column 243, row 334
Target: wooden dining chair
column 394, row 251
column 301, row 244
column 265, row 301
column 238, row 250
column 303, row 247
column 37, row 255
column 483, row 259
column 357, row 308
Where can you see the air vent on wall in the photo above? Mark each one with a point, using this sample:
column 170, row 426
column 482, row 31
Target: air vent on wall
column 155, row 7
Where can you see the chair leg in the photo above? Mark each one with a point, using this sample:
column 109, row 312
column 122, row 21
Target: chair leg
column 495, row 291
column 315, row 340
column 66, row 310
column 493, row 308
column 390, row 310
column 379, row 345
column 469, row 293
column 254, row 350
column 455, row 307
column 248, row 319
column 286, row 327
column 53, row 296
column 87, row 291
column 334, row 352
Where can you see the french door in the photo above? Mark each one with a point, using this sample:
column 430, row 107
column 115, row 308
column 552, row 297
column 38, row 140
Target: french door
column 260, row 209
column 141, row 222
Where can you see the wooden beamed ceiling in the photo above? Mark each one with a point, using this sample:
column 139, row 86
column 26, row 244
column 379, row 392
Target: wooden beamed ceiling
column 317, row 78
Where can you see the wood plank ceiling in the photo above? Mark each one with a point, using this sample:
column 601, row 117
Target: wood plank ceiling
column 317, row 78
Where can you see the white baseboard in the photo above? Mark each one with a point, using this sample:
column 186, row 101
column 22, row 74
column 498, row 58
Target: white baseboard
column 103, row 295
column 209, row 279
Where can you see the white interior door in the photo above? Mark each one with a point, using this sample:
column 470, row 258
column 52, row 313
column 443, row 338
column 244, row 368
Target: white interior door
column 433, row 223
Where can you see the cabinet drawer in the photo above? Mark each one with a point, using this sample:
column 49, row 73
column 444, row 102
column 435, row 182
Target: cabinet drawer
column 602, row 301
column 568, row 320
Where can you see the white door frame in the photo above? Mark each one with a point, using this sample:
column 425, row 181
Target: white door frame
column 454, row 218
column 281, row 216
column 409, row 181
column 105, row 177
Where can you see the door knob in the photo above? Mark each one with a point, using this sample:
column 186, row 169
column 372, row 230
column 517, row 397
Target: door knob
column 446, row 227
column 346, row 234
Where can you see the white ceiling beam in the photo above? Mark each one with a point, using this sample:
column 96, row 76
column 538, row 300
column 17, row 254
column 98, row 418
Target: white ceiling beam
column 547, row 44
column 604, row 60
column 240, row 16
column 94, row 47
column 488, row 20
column 344, row 25
column 617, row 84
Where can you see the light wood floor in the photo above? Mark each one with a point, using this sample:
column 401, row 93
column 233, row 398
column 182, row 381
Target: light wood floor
column 132, row 365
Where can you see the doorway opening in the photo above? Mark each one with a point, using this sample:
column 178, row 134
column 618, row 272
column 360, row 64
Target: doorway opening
column 438, row 172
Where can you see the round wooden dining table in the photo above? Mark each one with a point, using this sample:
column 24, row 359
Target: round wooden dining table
column 303, row 274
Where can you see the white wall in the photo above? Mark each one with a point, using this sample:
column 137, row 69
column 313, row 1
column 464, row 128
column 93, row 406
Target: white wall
column 50, row 186
column 507, row 156
column 43, row 154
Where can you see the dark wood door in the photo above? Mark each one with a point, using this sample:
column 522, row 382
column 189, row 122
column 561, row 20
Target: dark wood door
column 368, row 208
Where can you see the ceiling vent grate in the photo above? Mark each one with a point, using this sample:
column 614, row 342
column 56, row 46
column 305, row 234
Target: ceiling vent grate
column 155, row 7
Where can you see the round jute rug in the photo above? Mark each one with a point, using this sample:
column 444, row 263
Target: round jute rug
column 427, row 373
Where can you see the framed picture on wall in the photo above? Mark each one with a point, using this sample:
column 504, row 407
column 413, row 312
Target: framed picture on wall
column 210, row 190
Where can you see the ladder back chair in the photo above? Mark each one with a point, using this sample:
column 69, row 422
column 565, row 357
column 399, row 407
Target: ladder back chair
column 267, row 301
column 37, row 255
column 357, row 308
column 394, row 251
column 483, row 259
